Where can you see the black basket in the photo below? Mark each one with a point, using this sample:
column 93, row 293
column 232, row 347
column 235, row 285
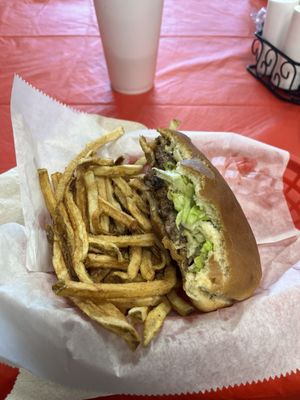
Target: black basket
column 280, row 67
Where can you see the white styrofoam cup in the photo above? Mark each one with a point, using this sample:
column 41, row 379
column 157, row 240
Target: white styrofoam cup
column 130, row 31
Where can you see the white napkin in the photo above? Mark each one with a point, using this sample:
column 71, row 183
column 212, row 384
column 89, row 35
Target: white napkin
column 250, row 341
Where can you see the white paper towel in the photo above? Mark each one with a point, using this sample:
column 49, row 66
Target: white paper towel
column 30, row 387
column 290, row 74
column 249, row 341
column 279, row 14
column 10, row 201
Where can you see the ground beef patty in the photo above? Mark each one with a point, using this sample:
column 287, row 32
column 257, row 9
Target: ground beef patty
column 159, row 191
column 162, row 158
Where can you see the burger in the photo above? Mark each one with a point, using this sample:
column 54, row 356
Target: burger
column 200, row 222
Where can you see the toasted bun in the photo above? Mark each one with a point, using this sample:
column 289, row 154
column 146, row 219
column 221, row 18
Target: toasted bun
column 207, row 303
column 235, row 275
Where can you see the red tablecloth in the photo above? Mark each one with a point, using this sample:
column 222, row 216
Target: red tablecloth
column 201, row 80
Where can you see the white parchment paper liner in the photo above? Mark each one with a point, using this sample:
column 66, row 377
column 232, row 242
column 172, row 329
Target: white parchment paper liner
column 250, row 341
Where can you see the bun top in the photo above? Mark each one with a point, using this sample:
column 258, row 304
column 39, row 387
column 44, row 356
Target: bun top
column 243, row 272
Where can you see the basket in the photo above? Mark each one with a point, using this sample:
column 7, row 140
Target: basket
column 291, row 180
column 283, row 70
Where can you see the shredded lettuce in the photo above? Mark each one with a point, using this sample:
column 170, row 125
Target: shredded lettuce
column 193, row 243
column 199, row 261
column 195, row 214
column 179, row 200
column 181, row 192
column 180, row 183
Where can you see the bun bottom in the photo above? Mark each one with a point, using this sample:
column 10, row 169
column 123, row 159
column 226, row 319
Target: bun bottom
column 207, row 303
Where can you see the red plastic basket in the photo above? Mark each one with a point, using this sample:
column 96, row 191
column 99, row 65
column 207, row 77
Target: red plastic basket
column 291, row 180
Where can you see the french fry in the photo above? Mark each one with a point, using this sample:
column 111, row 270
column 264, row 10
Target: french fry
column 64, row 226
column 105, row 261
column 135, row 261
column 149, row 154
column 168, row 244
column 92, row 146
column 101, row 187
column 96, row 161
column 179, row 305
column 81, row 272
column 55, row 177
column 111, row 199
column 138, row 314
column 92, row 199
column 112, row 319
column 129, row 192
column 97, row 275
column 142, row 205
column 81, row 243
column 119, row 216
column 104, row 219
column 80, row 233
column 146, row 267
column 155, row 320
column 47, row 191
column 121, row 277
column 81, row 197
column 107, row 248
column 122, row 199
column 113, row 290
column 164, row 259
column 156, row 221
column 123, row 186
column 143, row 240
column 118, row 170
column 64, row 230
column 136, row 301
column 59, row 265
column 60, row 217
column 117, row 277
column 110, row 193
column 142, row 220
column 138, row 184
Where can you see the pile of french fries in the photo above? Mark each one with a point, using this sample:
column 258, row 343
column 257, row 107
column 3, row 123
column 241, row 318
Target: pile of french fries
column 107, row 258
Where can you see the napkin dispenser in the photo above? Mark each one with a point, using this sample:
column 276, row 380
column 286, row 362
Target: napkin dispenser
column 284, row 70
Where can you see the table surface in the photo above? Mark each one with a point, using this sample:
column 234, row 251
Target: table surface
column 201, row 80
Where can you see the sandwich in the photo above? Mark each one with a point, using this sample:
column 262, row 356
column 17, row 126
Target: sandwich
column 200, row 222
